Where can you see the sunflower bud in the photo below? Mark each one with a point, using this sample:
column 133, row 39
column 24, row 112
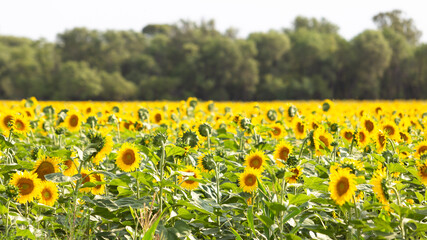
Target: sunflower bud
column 160, row 139
column 334, row 127
column 292, row 161
column 190, row 138
column 281, row 173
column 205, row 129
column 272, row 115
column 143, row 114
column 211, row 107
column 12, row 191
column 116, row 109
column 326, row 105
column 49, row 111
column 60, row 130
column 92, row 121
column 245, row 123
column 112, row 119
column 292, row 111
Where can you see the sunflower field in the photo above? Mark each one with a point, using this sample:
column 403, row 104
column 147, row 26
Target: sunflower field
column 213, row 170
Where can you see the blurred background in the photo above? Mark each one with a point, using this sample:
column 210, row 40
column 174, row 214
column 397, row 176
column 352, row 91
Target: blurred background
column 219, row 50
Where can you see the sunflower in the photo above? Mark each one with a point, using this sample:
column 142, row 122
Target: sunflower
column 322, row 140
column 368, row 124
column 157, row 117
column 46, row 165
column 70, row 167
column 342, row 185
column 352, row 164
column 421, row 150
column 128, row 158
column 299, row 128
column 6, row 120
column 281, row 153
column 20, row 124
column 103, row 149
column 49, row 193
column 205, row 163
column 362, row 137
column 381, row 141
column 297, row 171
column 190, row 184
column 405, row 137
column 347, row 134
column 277, row 131
column 390, row 128
column 86, row 177
column 380, row 187
column 98, row 189
column 256, row 161
column 28, row 185
column 248, row 180
column 72, row 121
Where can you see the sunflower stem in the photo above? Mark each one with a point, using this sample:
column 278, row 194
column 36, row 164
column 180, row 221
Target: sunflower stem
column 302, row 148
column 357, row 213
column 241, row 144
column 399, row 202
column 351, row 145
column 162, row 160
column 392, row 145
column 218, row 193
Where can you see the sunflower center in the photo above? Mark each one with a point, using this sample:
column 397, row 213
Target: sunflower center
column 19, row 125
column 129, row 157
column 191, row 181
column 6, row 120
column 250, row 180
column 85, row 178
column 369, row 125
column 255, row 162
column 342, row 186
column 284, row 153
column 47, row 195
column 98, row 179
column 158, row 117
column 381, row 139
column 276, row 131
column 389, row 129
column 45, row 168
column 74, row 121
column 68, row 164
column 300, row 127
column 324, row 141
column 404, row 137
column 422, row 150
column 361, row 136
column 348, row 135
column 26, row 186
column 88, row 110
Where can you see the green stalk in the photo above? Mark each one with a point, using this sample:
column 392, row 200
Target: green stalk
column 302, row 147
column 218, row 193
column 351, row 146
column 162, row 161
column 401, row 223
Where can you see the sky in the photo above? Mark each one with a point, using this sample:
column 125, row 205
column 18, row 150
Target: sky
column 46, row 18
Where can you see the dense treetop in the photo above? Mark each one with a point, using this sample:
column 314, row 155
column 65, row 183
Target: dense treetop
column 309, row 60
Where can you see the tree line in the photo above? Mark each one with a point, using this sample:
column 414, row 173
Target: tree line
column 310, row 60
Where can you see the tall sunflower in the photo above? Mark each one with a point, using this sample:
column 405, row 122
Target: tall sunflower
column 72, row 121
column 128, row 158
column 421, row 150
column 381, row 141
column 362, row 138
column 322, row 140
column 342, row 185
column 368, row 124
column 347, row 134
column 299, row 128
column 248, row 180
column 380, row 187
column 28, row 184
column 277, row 131
column 104, row 145
column 98, row 189
column 187, row 183
column 46, row 165
column 281, row 153
column 297, row 171
column 255, row 160
column 49, row 193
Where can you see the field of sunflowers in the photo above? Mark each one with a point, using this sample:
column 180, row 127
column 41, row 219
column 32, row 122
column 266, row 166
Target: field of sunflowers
column 213, row 170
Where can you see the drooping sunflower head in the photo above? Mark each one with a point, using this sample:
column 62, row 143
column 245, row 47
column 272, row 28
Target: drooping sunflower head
column 188, row 183
column 379, row 182
column 381, row 141
column 297, row 172
column 49, row 193
column 73, row 121
column 277, row 131
column 256, row 161
column 421, row 150
column 248, row 180
column 46, row 165
column 205, row 163
column 28, row 184
column 98, row 189
column 281, row 153
column 21, row 124
column 342, row 185
column 128, row 159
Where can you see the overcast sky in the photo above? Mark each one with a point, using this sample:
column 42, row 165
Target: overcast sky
column 45, row 18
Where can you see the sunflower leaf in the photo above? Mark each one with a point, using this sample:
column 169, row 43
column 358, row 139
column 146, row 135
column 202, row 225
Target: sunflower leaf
column 58, row 178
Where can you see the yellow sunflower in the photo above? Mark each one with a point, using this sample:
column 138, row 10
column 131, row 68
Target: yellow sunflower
column 390, row 128
column 297, row 171
column 299, row 128
column 342, row 185
column 322, row 140
column 277, row 131
column 70, row 167
column 6, row 120
column 256, row 161
column 107, row 146
column 72, row 121
column 248, row 180
column 281, row 153
column 362, row 138
column 421, row 150
column 190, row 184
column 347, row 134
column 49, row 193
column 20, row 124
column 46, row 165
column 379, row 182
column 157, row 117
column 128, row 158
column 422, row 171
column 381, row 141
column 98, row 189
column 405, row 137
column 368, row 124
column 28, row 184
column 86, row 177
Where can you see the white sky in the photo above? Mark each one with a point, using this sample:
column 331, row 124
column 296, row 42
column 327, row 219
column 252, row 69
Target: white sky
column 45, row 18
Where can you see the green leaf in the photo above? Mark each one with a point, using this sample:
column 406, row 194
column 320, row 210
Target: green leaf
column 25, row 233
column 266, row 220
column 150, row 232
column 315, row 183
column 293, row 212
column 251, row 220
column 235, row 234
column 58, row 178
column 172, row 150
column 298, row 199
column 419, row 196
column 396, row 167
column 4, row 143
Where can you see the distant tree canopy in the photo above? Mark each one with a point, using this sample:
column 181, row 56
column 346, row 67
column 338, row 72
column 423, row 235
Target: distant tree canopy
column 308, row 61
